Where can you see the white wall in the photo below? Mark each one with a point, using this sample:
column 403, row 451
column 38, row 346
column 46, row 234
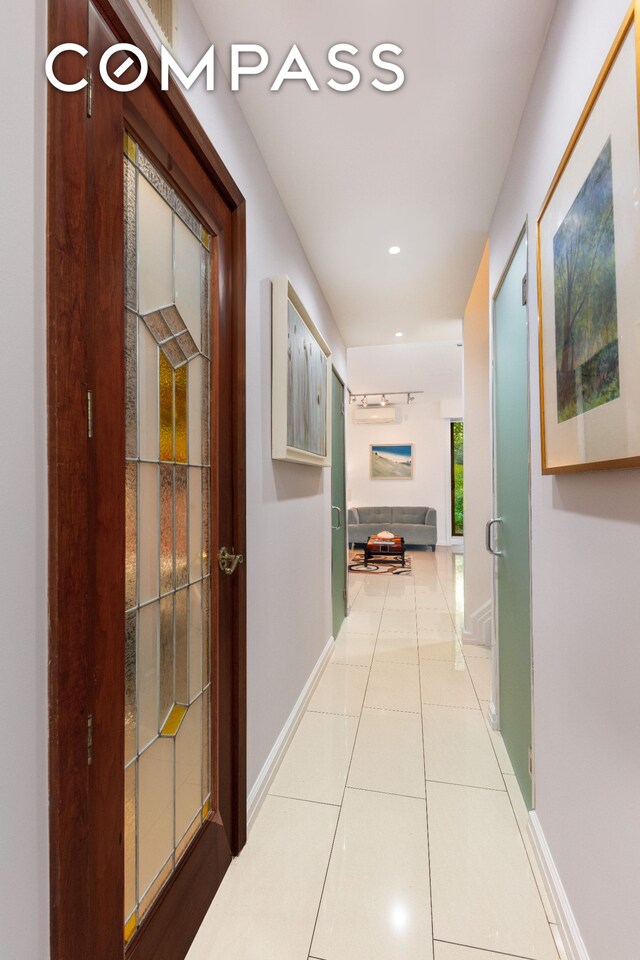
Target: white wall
column 422, row 425
column 24, row 853
column 585, row 562
column 288, row 505
column 477, row 459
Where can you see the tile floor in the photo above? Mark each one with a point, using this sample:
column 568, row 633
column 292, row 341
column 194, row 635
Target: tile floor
column 394, row 828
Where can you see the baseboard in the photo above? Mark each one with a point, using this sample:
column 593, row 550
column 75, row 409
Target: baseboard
column 571, row 937
column 270, row 768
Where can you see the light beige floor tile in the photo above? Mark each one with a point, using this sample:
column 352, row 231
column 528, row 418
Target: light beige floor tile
column 403, row 603
column 354, row 648
column 483, row 889
column 522, row 816
column 340, row 690
column 432, row 601
column 458, row 749
column 476, row 651
column 453, row 951
column 496, row 739
column 482, row 676
column 434, row 620
column 364, row 603
column 388, row 755
column 446, row 684
column 401, row 586
column 394, row 686
column 317, row 761
column 398, row 621
column 436, row 647
column 375, row 585
column 266, row 906
column 396, row 648
column 440, row 633
column 375, row 904
column 362, row 621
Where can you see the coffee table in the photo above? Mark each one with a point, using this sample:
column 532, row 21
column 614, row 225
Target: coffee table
column 383, row 549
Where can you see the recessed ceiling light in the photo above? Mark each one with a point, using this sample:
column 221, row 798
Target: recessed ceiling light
column 399, row 334
column 394, row 250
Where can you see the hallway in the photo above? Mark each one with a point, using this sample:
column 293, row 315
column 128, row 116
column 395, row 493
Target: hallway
column 356, row 854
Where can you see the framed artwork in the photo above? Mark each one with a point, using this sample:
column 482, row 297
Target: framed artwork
column 391, row 461
column 301, row 382
column 589, row 280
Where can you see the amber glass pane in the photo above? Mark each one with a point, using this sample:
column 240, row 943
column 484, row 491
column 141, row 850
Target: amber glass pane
column 166, row 407
column 181, row 380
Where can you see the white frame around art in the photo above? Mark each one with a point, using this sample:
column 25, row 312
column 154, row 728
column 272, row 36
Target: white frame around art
column 401, row 479
column 283, row 293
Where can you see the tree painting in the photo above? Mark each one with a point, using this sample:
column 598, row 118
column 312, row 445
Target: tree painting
column 586, row 316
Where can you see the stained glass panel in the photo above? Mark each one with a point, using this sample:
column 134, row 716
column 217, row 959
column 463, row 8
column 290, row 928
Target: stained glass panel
column 167, row 293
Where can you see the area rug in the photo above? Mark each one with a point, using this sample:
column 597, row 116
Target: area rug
column 380, row 566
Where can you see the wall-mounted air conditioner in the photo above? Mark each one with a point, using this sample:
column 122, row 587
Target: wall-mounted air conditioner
column 386, row 414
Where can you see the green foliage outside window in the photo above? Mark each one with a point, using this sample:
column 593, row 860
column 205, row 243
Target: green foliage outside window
column 457, row 477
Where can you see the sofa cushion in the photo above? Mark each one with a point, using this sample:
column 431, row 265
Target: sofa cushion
column 375, row 514
column 409, row 514
column 352, row 516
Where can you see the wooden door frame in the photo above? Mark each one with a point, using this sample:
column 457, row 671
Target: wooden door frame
column 69, row 560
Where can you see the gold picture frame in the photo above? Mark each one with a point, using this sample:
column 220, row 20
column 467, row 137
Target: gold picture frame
column 588, row 234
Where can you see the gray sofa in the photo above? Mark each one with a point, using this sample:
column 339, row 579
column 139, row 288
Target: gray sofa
column 418, row 525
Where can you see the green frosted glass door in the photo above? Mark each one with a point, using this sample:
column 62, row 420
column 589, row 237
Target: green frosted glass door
column 338, row 507
column 511, row 535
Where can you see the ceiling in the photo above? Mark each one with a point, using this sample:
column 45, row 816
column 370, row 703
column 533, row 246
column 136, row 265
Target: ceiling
column 433, row 368
column 420, row 167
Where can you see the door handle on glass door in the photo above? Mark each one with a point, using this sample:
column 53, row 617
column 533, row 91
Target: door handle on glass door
column 488, row 528
column 339, row 518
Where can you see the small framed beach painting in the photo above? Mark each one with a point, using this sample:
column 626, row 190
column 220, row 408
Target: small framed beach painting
column 392, row 461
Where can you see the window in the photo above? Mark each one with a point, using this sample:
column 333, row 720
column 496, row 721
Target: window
column 457, row 478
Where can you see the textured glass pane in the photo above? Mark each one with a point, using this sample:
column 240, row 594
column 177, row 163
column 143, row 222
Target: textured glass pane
column 206, row 406
column 169, row 194
column 173, row 352
column 206, row 633
column 157, row 326
column 148, row 394
column 165, row 384
column 130, row 537
column 148, row 675
column 166, row 529
column 205, row 523
column 187, row 345
column 195, row 409
column 173, row 320
column 187, row 266
column 155, row 810
column 131, row 384
column 195, row 640
column 155, row 249
column 148, row 531
column 195, row 523
column 181, row 379
column 189, row 767
column 130, row 238
column 206, row 744
column 189, row 835
column 181, row 526
column 205, row 300
column 149, row 899
column 181, row 649
column 166, row 657
column 130, row 686
column 130, row 897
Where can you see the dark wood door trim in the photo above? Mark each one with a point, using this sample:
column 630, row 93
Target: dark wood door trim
column 72, row 570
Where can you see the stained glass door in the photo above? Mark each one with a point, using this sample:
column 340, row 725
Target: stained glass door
column 167, row 637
